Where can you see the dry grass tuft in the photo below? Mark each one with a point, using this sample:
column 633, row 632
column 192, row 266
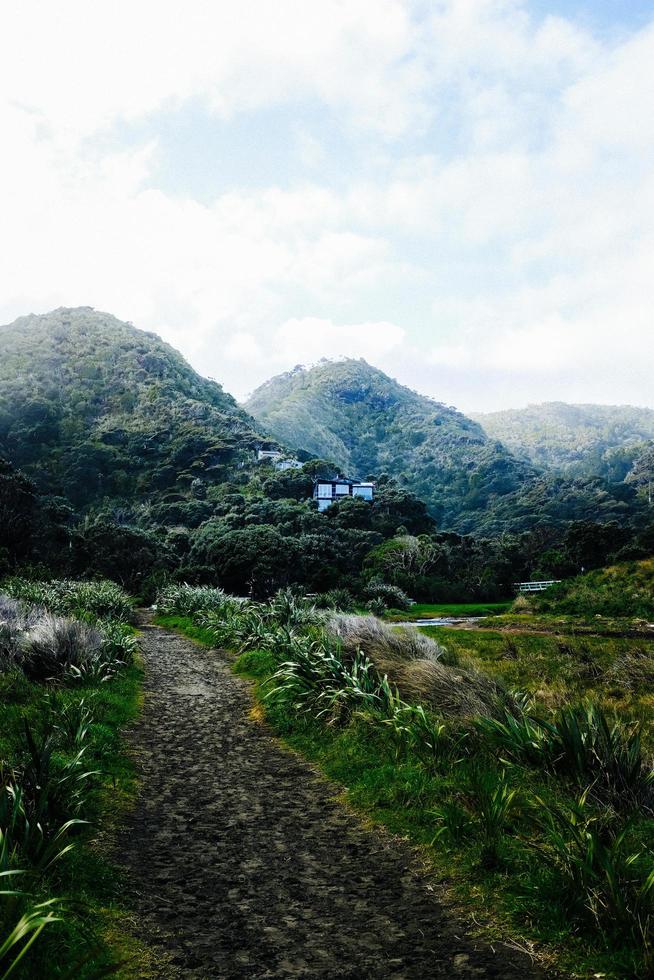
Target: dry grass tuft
column 413, row 663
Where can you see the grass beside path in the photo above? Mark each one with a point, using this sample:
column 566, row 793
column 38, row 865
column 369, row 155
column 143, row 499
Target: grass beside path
column 616, row 672
column 512, row 898
column 93, row 936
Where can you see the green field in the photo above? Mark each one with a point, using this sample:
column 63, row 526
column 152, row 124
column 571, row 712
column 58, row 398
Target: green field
column 616, row 672
column 426, row 610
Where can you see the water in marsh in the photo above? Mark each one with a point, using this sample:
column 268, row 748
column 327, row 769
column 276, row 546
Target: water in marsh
column 458, row 622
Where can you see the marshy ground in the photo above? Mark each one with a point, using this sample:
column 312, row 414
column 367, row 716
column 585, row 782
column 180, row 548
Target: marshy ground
column 242, row 863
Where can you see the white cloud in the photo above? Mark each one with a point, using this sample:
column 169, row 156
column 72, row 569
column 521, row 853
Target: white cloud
column 307, row 339
column 516, row 238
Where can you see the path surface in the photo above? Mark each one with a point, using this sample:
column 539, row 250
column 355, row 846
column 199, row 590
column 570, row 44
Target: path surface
column 244, row 866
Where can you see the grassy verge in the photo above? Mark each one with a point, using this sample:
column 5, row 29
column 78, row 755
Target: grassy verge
column 93, row 933
column 434, row 610
column 478, row 825
column 70, row 682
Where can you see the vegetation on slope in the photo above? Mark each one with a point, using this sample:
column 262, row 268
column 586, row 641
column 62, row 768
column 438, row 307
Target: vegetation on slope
column 143, row 471
column 92, row 408
column 588, row 440
column 617, row 591
column 369, row 424
column 538, row 813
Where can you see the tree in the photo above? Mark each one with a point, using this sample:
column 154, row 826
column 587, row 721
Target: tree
column 125, row 554
column 18, row 513
column 255, row 560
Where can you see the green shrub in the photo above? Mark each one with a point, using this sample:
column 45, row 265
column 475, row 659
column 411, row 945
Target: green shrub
column 392, row 596
column 414, row 664
column 601, row 881
column 340, row 600
column 319, row 681
column 187, row 600
column 53, row 645
column 65, row 597
column 591, row 749
column 494, row 804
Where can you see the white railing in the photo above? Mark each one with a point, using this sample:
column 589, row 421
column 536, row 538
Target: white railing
column 535, row 586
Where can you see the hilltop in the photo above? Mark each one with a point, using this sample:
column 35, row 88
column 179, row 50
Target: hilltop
column 93, row 408
column 602, row 440
column 368, row 423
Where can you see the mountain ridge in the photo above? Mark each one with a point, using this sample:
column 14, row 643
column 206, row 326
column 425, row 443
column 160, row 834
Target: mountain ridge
column 580, row 438
column 367, row 422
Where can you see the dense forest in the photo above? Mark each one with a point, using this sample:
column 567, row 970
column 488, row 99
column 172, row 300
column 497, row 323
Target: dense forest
column 93, row 409
column 610, row 441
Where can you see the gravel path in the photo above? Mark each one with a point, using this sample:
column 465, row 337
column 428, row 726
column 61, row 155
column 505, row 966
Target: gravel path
column 243, row 865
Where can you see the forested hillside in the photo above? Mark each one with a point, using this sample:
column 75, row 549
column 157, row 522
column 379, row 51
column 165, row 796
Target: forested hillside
column 92, row 408
column 368, row 423
column 121, row 461
column 597, row 440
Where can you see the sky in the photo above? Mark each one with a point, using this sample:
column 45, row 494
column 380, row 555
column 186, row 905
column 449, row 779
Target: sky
column 460, row 191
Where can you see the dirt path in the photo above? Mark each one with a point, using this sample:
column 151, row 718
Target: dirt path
column 241, row 863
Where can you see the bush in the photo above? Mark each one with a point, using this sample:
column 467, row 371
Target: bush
column 582, row 745
column 392, row 596
column 377, row 607
column 46, row 646
column 414, row 664
column 341, row 600
column 597, row 877
column 67, row 597
column 318, row 681
column 186, row 600
column 53, row 645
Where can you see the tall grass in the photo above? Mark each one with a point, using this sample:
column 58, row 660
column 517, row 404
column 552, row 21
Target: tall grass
column 67, row 597
column 582, row 745
column 417, row 666
column 47, row 645
column 600, row 877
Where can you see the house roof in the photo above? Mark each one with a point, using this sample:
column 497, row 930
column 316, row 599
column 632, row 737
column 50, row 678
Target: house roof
column 342, row 481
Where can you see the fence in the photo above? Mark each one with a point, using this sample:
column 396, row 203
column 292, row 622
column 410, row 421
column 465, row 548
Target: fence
column 535, row 586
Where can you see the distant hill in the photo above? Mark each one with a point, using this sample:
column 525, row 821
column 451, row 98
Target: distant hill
column 368, row 423
column 92, row 408
column 602, row 440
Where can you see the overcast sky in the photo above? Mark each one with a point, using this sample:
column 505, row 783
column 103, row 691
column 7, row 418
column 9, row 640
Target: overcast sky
column 462, row 192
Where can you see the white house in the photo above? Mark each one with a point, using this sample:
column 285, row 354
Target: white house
column 278, row 459
column 326, row 492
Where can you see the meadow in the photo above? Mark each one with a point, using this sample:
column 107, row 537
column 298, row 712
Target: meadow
column 427, row 610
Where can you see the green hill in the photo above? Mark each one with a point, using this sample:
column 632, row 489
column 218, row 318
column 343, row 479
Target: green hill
column 366, row 422
column 620, row 590
column 92, row 408
column 602, row 440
